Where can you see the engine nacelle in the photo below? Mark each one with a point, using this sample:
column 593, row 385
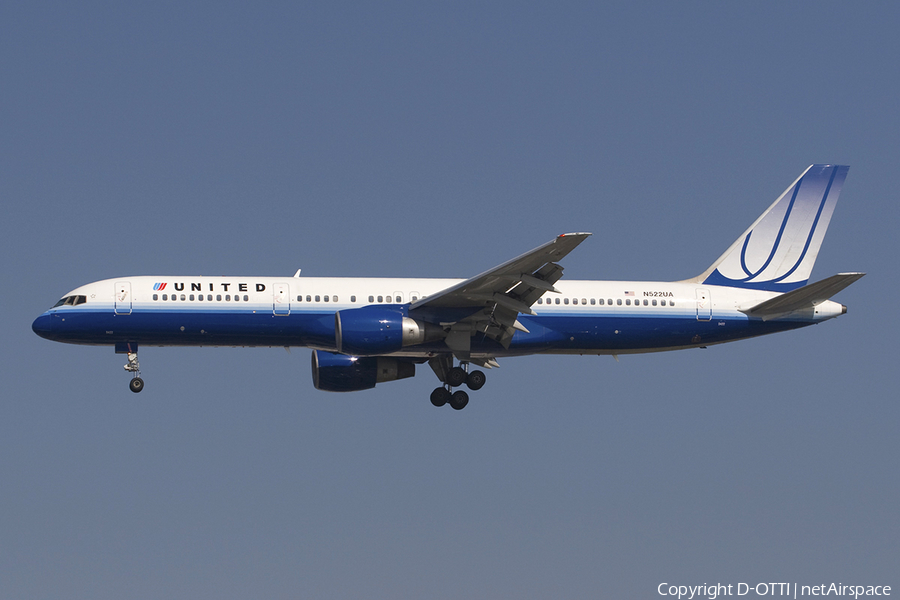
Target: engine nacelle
column 373, row 330
column 341, row 373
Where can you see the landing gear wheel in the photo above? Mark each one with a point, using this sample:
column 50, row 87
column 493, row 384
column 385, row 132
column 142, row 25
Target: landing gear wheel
column 458, row 400
column 136, row 385
column 440, row 396
column 475, row 380
column 456, row 377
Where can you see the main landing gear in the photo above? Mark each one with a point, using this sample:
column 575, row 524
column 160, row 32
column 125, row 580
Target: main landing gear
column 455, row 377
column 136, row 384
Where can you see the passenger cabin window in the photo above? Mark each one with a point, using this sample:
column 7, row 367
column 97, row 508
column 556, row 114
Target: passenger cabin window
column 381, row 298
column 371, row 299
column 317, row 298
column 352, row 298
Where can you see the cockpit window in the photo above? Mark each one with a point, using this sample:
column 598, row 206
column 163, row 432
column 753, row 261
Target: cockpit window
column 71, row 301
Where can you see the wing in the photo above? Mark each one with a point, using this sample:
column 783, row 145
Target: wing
column 490, row 303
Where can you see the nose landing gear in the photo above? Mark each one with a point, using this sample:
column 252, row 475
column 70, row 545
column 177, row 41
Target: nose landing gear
column 136, row 384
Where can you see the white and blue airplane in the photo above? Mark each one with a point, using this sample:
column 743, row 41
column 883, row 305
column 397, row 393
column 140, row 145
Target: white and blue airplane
column 365, row 331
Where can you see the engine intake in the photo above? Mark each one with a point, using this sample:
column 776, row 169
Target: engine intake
column 341, row 373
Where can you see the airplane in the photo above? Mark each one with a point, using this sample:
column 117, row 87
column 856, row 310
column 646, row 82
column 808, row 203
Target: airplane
column 366, row 331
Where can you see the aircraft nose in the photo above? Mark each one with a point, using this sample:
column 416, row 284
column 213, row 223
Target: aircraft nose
column 42, row 325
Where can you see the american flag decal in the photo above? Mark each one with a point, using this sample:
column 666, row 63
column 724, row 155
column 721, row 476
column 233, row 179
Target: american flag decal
column 159, row 286
column 626, row 293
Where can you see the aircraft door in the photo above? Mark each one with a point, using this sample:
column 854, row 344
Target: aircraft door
column 281, row 299
column 123, row 298
column 704, row 305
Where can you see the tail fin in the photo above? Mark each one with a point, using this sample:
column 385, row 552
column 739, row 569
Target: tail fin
column 779, row 250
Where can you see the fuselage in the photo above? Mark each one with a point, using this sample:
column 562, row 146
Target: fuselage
column 585, row 317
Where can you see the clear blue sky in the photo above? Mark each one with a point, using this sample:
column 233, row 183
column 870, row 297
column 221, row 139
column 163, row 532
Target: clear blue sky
column 426, row 139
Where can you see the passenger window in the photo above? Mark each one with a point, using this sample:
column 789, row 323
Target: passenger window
column 399, row 299
column 601, row 301
column 583, row 301
column 299, row 298
column 227, row 297
column 618, row 302
column 326, row 298
column 413, row 298
column 209, row 297
column 671, row 303
column 352, row 298
column 246, row 298
column 565, row 300
column 654, row 303
column 155, row 297
column 308, row 298
column 218, row 297
column 557, row 300
column 540, row 300
column 318, row 298
column 182, row 297
column 165, row 296
column 334, row 298
column 381, row 298
column 371, row 299
column 645, row 302
column 192, row 296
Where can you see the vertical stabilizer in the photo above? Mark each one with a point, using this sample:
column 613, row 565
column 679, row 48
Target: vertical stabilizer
column 778, row 251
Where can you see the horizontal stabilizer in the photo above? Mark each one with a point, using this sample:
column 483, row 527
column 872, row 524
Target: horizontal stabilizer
column 807, row 296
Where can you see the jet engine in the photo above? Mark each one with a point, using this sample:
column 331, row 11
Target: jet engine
column 341, row 373
column 373, row 330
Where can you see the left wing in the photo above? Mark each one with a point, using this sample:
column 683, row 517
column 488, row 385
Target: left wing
column 490, row 303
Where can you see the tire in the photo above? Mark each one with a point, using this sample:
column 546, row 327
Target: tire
column 136, row 385
column 459, row 400
column 475, row 380
column 456, row 377
column 440, row 396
